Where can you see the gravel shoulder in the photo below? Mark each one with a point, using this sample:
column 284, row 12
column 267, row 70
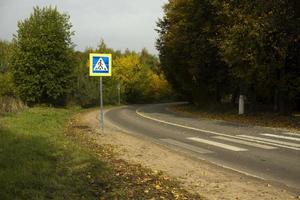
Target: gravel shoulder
column 198, row 176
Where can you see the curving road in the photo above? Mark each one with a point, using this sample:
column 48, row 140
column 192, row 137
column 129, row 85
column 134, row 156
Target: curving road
column 262, row 152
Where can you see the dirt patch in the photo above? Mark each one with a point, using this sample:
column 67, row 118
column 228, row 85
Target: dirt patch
column 195, row 175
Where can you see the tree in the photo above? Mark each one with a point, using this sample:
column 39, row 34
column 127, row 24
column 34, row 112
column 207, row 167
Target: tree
column 259, row 42
column 5, row 48
column 42, row 57
column 211, row 49
column 133, row 76
column 7, row 87
column 188, row 52
column 150, row 61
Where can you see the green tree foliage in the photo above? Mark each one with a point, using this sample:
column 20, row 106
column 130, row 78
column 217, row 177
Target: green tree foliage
column 6, row 82
column 260, row 42
column 42, row 57
column 5, row 48
column 9, row 101
column 150, row 60
column 188, row 51
column 213, row 48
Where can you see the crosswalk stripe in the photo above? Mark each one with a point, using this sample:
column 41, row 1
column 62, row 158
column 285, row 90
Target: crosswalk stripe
column 186, row 146
column 271, row 140
column 215, row 133
column 217, row 144
column 281, row 136
column 245, row 142
column 269, row 143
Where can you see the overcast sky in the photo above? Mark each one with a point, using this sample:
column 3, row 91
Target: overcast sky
column 121, row 23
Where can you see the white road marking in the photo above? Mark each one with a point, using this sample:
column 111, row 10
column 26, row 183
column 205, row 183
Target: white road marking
column 186, row 146
column 281, row 136
column 291, row 134
column 273, row 144
column 212, row 132
column 178, row 125
column 271, row 140
column 245, row 142
column 217, row 144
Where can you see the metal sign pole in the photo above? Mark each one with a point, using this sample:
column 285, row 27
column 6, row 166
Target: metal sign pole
column 101, row 107
column 100, row 65
column 119, row 94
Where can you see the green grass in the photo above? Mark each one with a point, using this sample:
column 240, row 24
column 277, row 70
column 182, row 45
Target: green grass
column 37, row 161
column 44, row 157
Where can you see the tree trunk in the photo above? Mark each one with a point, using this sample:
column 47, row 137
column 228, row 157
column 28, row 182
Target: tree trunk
column 253, row 100
column 283, row 102
column 218, row 94
column 234, row 96
column 276, row 100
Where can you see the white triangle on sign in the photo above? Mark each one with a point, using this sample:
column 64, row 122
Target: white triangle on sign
column 100, row 65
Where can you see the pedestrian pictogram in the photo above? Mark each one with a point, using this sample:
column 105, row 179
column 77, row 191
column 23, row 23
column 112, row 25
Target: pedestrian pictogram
column 100, row 66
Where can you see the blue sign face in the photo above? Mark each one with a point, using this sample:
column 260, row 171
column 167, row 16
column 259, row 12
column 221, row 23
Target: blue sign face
column 100, row 65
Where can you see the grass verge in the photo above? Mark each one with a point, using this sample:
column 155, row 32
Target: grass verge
column 38, row 162
column 44, row 155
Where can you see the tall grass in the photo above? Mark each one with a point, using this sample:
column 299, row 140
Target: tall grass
column 10, row 105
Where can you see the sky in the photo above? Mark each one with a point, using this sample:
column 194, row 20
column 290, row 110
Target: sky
column 121, row 23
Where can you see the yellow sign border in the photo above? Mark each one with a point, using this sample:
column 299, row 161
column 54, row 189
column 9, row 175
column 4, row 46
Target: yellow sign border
column 100, row 55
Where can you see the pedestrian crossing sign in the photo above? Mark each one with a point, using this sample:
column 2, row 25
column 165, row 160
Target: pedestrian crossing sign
column 100, row 64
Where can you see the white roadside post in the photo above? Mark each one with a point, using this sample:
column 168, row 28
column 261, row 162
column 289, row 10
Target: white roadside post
column 241, row 105
column 101, row 65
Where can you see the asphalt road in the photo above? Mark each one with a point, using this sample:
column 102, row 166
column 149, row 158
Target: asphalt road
column 266, row 153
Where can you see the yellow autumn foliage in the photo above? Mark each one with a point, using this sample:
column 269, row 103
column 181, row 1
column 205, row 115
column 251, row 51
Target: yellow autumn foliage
column 139, row 82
